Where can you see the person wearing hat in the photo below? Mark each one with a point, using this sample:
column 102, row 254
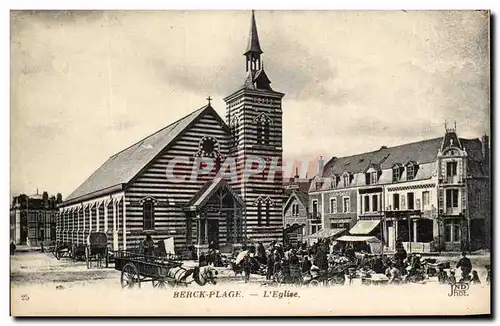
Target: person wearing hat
column 465, row 265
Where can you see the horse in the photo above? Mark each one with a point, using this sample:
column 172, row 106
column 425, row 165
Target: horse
column 202, row 276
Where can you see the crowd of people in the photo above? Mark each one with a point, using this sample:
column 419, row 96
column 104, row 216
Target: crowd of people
column 320, row 256
column 399, row 267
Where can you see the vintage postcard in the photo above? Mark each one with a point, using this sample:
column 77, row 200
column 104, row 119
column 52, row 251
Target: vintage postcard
column 250, row 163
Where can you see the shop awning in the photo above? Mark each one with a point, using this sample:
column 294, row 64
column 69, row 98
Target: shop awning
column 364, row 227
column 358, row 238
column 326, row 233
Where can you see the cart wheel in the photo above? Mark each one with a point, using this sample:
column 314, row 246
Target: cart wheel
column 57, row 254
column 278, row 277
column 314, row 283
column 337, row 280
column 130, row 277
column 87, row 257
column 159, row 283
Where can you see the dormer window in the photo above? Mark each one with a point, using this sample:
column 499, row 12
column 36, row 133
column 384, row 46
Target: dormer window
column 335, row 180
column 371, row 175
column 347, row 179
column 411, row 171
column 396, row 172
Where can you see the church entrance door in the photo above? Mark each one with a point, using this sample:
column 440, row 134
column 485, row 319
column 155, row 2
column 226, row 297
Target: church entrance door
column 213, row 232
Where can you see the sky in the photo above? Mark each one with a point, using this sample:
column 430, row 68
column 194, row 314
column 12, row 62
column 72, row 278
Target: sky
column 85, row 85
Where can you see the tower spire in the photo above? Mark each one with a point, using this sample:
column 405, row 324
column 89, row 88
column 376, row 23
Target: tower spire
column 253, row 50
column 253, row 40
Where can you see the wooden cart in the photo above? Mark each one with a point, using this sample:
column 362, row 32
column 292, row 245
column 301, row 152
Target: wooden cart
column 137, row 268
column 97, row 249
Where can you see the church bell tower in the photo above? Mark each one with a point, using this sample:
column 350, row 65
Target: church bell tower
column 254, row 115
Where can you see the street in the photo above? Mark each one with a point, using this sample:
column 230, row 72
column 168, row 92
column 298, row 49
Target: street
column 41, row 285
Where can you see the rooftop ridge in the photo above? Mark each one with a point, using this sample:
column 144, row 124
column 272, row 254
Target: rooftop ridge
column 159, row 130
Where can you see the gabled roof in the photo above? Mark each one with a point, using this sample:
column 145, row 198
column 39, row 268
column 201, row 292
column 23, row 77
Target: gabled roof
column 122, row 167
column 301, row 196
column 207, row 191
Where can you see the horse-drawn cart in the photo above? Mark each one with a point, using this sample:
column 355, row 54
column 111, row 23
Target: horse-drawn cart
column 136, row 269
column 97, row 249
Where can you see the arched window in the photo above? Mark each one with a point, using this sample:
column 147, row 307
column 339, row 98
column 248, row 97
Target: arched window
column 263, row 129
column 259, row 213
column 235, row 124
column 268, row 213
column 148, row 213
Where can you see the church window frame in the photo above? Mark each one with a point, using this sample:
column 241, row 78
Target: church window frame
column 235, row 125
column 268, row 212
column 148, row 205
column 263, row 125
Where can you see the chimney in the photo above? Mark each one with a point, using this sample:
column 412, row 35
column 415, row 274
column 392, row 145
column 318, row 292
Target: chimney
column 45, row 198
column 321, row 164
column 296, row 178
column 485, row 148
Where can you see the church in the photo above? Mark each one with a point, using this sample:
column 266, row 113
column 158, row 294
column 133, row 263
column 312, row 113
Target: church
column 202, row 179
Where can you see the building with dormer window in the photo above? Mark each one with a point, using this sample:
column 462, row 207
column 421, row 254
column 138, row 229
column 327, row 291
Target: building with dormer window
column 431, row 195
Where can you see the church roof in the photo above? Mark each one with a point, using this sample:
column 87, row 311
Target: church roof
column 122, row 167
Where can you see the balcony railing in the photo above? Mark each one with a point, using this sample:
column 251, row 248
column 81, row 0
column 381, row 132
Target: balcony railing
column 451, row 180
column 315, row 217
column 453, row 210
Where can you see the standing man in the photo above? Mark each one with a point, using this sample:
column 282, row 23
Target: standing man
column 12, row 247
column 148, row 246
column 466, row 266
column 270, row 266
column 246, row 267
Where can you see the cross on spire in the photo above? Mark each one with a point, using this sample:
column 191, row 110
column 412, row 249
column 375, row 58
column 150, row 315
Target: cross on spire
column 209, row 99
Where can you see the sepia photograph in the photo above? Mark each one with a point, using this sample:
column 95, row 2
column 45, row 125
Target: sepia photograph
column 250, row 163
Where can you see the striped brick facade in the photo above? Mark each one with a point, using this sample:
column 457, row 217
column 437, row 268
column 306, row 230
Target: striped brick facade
column 112, row 199
column 244, row 109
